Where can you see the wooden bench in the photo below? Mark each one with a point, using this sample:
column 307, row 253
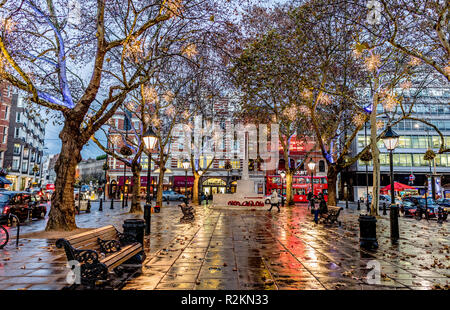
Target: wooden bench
column 332, row 215
column 101, row 251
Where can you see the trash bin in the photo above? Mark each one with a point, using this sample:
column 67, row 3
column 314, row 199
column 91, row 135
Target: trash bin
column 135, row 228
column 368, row 232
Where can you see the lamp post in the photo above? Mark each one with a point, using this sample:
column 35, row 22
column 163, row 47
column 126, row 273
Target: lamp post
column 367, row 170
column 105, row 168
column 312, row 167
column 150, row 140
column 282, row 174
column 390, row 140
column 228, row 167
column 200, row 173
column 186, row 166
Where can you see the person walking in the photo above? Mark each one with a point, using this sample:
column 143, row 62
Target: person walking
column 274, row 201
column 315, row 208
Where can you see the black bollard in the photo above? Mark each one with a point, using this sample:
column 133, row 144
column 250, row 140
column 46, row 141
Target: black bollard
column 368, row 232
column 88, row 207
column 147, row 218
column 101, row 205
column 112, row 203
column 368, row 207
column 359, row 205
column 384, row 209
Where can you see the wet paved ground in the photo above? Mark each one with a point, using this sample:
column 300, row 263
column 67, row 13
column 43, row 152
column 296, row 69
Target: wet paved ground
column 230, row 249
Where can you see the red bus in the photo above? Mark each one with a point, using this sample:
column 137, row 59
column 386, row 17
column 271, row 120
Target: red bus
column 301, row 185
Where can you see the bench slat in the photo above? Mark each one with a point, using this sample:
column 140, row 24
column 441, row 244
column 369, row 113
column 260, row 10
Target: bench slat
column 93, row 239
column 89, row 234
column 116, row 259
column 86, row 239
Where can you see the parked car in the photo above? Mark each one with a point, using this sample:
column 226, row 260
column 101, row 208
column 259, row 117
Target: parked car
column 383, row 199
column 172, row 195
column 267, row 199
column 444, row 203
column 419, row 202
column 408, row 208
column 21, row 204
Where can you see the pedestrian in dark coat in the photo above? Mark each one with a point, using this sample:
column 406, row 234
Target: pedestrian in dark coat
column 323, row 208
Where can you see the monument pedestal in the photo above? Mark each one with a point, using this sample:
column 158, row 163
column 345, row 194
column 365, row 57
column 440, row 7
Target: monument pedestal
column 245, row 196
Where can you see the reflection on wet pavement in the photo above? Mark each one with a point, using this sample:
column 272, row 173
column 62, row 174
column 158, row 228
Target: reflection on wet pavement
column 229, row 249
column 249, row 249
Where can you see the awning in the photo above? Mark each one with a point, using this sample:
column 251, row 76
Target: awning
column 397, row 187
column 179, row 181
column 4, row 180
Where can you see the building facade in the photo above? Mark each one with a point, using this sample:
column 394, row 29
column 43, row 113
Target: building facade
column 216, row 179
column 48, row 169
column 25, row 147
column 415, row 139
column 6, row 96
column 90, row 171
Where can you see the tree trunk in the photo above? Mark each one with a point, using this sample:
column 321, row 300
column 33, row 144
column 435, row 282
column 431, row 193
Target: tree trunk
column 62, row 211
column 375, row 157
column 159, row 194
column 195, row 188
column 332, row 180
column 136, row 199
column 289, row 193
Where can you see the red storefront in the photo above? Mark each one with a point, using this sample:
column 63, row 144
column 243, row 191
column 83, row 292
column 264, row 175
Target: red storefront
column 179, row 184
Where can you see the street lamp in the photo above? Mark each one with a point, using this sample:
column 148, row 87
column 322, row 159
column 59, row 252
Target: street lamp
column 150, row 140
column 283, row 175
column 390, row 140
column 228, row 167
column 312, row 167
column 186, row 166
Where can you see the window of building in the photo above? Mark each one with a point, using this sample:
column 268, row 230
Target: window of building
column 321, row 166
column 24, row 166
column 221, row 164
column 15, row 164
column 16, row 149
column 17, row 133
column 235, row 163
column 5, row 134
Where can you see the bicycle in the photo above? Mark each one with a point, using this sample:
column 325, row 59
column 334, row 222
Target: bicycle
column 4, row 234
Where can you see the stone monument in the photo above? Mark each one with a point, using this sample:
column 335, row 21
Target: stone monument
column 245, row 188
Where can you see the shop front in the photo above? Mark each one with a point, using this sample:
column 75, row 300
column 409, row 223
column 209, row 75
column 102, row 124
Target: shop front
column 181, row 183
column 127, row 186
column 214, row 186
